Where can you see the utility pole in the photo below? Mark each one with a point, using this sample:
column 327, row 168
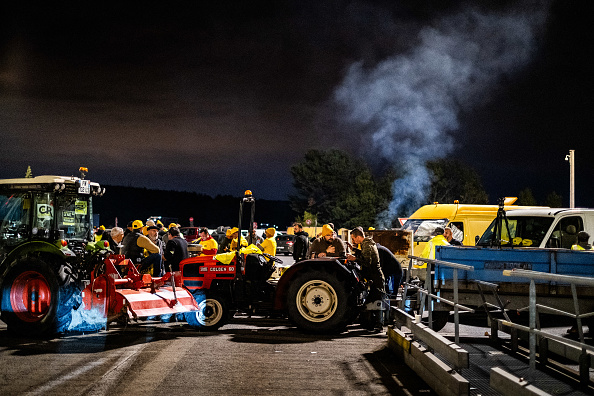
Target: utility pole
column 571, row 158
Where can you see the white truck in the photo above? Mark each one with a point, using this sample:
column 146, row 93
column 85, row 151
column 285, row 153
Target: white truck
column 542, row 228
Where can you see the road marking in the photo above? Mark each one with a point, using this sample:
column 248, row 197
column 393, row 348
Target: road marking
column 157, row 368
column 110, row 379
column 58, row 381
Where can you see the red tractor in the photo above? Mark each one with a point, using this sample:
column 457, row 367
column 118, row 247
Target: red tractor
column 318, row 295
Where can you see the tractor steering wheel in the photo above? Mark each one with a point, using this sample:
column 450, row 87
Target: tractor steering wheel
column 273, row 258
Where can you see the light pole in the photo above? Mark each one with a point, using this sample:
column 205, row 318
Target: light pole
column 571, row 158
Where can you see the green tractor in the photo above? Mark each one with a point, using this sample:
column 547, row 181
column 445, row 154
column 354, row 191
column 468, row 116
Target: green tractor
column 46, row 250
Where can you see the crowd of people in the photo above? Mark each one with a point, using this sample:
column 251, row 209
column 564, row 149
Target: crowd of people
column 156, row 249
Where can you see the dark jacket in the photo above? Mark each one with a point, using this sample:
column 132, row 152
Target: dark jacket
column 301, row 246
column 225, row 245
column 320, row 245
column 175, row 251
column 390, row 264
column 130, row 247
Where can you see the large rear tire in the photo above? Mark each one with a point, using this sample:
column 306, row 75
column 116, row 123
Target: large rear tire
column 37, row 298
column 317, row 301
column 213, row 312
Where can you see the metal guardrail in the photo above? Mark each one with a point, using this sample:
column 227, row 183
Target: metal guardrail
column 427, row 292
column 534, row 323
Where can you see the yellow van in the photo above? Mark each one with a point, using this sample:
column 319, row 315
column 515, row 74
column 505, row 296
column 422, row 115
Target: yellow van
column 467, row 221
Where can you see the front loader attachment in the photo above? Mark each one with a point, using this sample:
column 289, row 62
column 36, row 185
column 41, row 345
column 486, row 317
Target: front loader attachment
column 120, row 292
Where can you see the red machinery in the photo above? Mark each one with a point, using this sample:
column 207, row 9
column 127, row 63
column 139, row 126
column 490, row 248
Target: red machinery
column 127, row 294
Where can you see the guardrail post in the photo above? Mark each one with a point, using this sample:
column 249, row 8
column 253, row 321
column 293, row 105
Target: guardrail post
column 584, row 360
column 456, row 317
column 406, row 282
column 532, row 337
column 429, row 287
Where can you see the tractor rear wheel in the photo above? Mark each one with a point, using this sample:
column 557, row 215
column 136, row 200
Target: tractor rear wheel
column 213, row 311
column 36, row 297
column 317, row 301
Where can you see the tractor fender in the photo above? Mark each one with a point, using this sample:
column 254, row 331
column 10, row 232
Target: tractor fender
column 27, row 248
column 331, row 264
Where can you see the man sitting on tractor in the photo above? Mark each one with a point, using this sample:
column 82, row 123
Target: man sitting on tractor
column 327, row 245
column 234, row 237
column 269, row 244
column 209, row 245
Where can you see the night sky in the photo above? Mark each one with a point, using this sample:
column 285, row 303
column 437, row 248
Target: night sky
column 217, row 97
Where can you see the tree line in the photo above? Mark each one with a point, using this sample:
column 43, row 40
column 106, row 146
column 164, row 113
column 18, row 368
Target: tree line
column 330, row 186
column 334, row 186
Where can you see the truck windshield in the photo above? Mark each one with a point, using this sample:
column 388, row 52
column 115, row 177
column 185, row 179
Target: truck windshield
column 525, row 231
column 422, row 229
column 74, row 216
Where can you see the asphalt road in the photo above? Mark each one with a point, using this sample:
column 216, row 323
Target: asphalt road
column 249, row 356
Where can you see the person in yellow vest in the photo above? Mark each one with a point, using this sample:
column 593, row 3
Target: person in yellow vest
column 234, row 237
column 99, row 233
column 582, row 241
column 268, row 245
column 209, row 244
column 429, row 251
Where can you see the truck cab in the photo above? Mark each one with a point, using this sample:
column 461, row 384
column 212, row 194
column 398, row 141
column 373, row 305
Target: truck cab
column 467, row 221
column 542, row 228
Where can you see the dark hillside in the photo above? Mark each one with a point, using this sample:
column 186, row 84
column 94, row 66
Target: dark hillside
column 131, row 203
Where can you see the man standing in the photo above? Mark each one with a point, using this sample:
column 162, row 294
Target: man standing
column 391, row 268
column 117, row 234
column 225, row 244
column 152, row 233
column 368, row 258
column 429, row 251
column 327, row 245
column 301, row 245
column 449, row 236
column 176, row 249
column 254, row 239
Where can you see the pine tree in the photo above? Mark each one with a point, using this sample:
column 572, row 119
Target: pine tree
column 29, row 174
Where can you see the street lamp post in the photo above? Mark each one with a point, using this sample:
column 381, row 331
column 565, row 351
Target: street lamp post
column 571, row 158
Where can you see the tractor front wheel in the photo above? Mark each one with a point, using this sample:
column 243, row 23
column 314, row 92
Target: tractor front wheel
column 212, row 313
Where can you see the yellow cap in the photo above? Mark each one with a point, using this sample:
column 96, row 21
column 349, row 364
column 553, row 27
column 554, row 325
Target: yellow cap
column 270, row 232
column 102, row 228
column 172, row 225
column 136, row 224
column 327, row 230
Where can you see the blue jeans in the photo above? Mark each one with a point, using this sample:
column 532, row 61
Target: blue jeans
column 156, row 261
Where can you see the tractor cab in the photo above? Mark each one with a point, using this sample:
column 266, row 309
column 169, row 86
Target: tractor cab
column 46, row 208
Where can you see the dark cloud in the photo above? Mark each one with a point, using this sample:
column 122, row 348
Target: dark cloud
column 216, row 97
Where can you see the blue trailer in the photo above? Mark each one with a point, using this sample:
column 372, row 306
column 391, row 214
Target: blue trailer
column 489, row 264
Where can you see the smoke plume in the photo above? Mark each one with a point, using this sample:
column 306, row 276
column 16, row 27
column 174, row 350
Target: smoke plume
column 408, row 105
